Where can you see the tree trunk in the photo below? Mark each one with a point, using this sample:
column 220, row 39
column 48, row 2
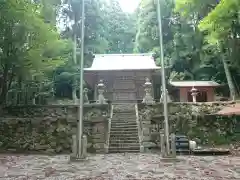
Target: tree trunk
column 4, row 85
column 229, row 79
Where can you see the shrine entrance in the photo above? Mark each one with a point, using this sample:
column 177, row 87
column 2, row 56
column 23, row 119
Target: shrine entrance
column 124, row 89
column 123, row 76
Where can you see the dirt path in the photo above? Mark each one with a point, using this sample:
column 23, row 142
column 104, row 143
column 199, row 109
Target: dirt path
column 117, row 167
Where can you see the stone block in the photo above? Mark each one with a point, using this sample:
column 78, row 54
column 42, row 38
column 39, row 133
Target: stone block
column 146, row 122
column 146, row 131
column 146, row 138
column 149, row 144
column 142, row 149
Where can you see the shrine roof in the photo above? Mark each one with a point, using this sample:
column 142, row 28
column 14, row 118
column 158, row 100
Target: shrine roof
column 104, row 62
column 194, row 83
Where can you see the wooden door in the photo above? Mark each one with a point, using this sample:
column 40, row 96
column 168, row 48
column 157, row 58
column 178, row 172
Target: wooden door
column 124, row 89
column 124, row 96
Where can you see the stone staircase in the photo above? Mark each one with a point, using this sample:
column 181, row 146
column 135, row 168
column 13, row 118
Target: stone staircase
column 124, row 130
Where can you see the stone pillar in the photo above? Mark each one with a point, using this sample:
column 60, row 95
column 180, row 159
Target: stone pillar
column 84, row 146
column 74, row 146
column 101, row 90
column 173, row 145
column 148, row 99
column 162, row 145
column 194, row 92
column 146, row 134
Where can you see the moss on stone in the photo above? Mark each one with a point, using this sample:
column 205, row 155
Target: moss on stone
column 47, row 129
column 204, row 126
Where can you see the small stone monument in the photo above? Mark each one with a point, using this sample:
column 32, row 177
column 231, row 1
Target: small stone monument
column 161, row 98
column 85, row 96
column 101, row 90
column 148, row 99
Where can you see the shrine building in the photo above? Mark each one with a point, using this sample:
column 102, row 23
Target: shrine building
column 205, row 90
column 124, row 76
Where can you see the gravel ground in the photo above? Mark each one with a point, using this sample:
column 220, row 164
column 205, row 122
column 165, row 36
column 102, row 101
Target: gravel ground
column 117, row 167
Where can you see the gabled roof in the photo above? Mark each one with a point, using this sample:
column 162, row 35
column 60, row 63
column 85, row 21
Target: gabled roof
column 194, row 83
column 103, row 62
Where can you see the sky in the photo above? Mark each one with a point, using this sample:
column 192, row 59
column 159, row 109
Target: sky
column 129, row 5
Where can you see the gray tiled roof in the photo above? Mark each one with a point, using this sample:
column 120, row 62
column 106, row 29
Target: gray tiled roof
column 103, row 62
column 194, row 83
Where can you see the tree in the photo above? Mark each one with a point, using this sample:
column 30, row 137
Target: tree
column 147, row 37
column 26, row 42
column 107, row 30
column 120, row 29
column 218, row 23
column 222, row 25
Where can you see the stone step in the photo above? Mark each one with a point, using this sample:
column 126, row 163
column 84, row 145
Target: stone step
column 122, row 149
column 126, row 114
column 124, row 145
column 123, row 119
column 124, row 126
column 124, row 122
column 136, row 140
column 123, row 139
column 123, row 133
column 116, row 130
column 117, row 145
column 126, row 129
column 117, row 141
column 121, row 123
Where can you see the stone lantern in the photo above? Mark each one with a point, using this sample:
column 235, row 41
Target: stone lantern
column 194, row 93
column 101, row 90
column 148, row 99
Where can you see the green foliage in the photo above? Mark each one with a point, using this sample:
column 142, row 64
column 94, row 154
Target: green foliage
column 219, row 23
column 29, row 45
column 107, row 30
column 147, row 37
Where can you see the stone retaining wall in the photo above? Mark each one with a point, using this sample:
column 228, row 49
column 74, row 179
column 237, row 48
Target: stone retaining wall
column 49, row 129
column 202, row 126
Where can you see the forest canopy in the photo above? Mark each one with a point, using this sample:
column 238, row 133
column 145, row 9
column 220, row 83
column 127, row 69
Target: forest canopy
column 37, row 40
